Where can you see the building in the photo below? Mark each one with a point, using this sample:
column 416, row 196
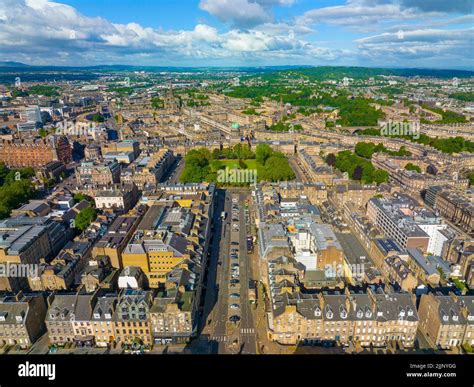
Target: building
column 60, row 318
column 35, row 153
column 398, row 271
column 53, row 170
column 132, row 317
column 25, row 244
column 372, row 318
column 446, row 321
column 272, row 241
column 316, row 246
column 26, row 239
column 22, row 319
column 395, row 219
column 102, row 321
column 429, row 269
column 359, row 194
column 132, row 278
column 117, row 197
column 114, row 241
column 174, row 230
column 122, row 147
column 381, row 248
column 61, row 272
column 98, row 173
column 172, row 317
column 148, row 171
column 453, row 205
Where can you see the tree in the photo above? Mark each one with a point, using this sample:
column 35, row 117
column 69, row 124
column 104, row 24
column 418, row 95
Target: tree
column 380, row 176
column 331, row 159
column 79, row 197
column 85, row 218
column 358, row 172
column 157, row 103
column 413, row 167
column 262, row 153
column 365, row 149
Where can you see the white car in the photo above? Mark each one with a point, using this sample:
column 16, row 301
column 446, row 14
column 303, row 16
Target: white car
column 235, row 306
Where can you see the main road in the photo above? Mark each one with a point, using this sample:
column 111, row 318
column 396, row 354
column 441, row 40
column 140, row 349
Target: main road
column 247, row 337
column 225, row 336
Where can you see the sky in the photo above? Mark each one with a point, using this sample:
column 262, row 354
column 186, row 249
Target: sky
column 382, row 33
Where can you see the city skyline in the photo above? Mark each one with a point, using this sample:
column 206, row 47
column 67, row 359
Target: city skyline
column 373, row 33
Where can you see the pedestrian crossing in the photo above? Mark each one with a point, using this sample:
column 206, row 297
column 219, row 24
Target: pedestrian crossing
column 219, row 339
column 247, row 331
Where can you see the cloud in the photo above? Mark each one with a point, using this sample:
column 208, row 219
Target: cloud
column 44, row 32
column 243, row 13
column 419, row 46
column 357, row 13
column 47, row 32
column 446, row 6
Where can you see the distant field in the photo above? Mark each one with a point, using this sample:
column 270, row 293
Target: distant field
column 232, row 164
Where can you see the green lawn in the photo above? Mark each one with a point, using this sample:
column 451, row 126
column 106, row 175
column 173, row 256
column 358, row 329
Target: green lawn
column 251, row 163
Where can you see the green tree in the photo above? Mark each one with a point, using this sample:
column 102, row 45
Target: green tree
column 412, row 167
column 79, row 197
column 262, row 153
column 85, row 218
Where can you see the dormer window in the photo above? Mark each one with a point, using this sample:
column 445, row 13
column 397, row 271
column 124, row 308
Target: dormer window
column 455, row 318
column 329, row 314
column 343, row 312
column 368, row 314
column 19, row 318
column 470, row 317
column 317, row 312
column 360, row 314
column 96, row 315
column 108, row 316
column 410, row 312
column 445, row 318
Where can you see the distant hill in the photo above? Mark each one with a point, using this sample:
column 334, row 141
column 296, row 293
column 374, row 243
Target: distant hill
column 13, row 64
column 336, row 72
column 316, row 72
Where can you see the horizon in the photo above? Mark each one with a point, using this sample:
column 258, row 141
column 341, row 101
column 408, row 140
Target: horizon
column 239, row 33
column 7, row 64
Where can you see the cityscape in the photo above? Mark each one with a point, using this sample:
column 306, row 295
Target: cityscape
column 220, row 198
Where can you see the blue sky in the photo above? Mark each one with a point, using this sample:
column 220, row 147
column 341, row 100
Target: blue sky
column 387, row 33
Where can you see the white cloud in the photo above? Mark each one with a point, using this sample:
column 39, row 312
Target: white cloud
column 243, row 13
column 46, row 32
column 357, row 13
column 433, row 46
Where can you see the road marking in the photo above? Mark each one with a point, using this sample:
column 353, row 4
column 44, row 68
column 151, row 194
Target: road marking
column 247, row 331
column 219, row 339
